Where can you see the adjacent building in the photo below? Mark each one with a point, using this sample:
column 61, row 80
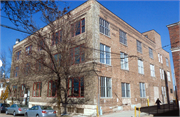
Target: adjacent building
column 132, row 66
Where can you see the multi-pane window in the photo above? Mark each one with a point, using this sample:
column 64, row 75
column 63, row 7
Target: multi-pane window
column 37, row 87
column 104, row 27
column 78, row 27
column 105, row 54
column 160, row 58
column 28, row 50
column 39, row 65
column 52, row 88
column 161, row 73
column 76, row 87
column 123, row 38
column 163, row 89
column 57, row 58
column 124, row 61
column 150, row 53
column 140, row 67
column 57, row 37
column 125, row 87
column 142, row 89
column 168, row 76
column 22, row 90
column 27, row 68
column 41, row 45
column 18, row 55
column 14, row 90
column 139, row 46
column 16, row 71
column 167, row 62
column 152, row 70
column 106, row 87
column 77, row 54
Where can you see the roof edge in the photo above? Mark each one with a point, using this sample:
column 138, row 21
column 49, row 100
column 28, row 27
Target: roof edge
column 174, row 24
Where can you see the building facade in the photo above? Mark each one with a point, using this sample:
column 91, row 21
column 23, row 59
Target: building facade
column 132, row 66
column 174, row 33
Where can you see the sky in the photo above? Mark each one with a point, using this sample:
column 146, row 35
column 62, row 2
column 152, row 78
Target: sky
column 141, row 15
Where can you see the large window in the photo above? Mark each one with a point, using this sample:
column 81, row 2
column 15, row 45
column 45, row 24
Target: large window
column 167, row 62
column 52, row 88
column 152, row 70
column 104, row 27
column 124, row 61
column 161, row 73
column 142, row 89
column 78, row 27
column 139, row 46
column 163, row 89
column 140, row 67
column 14, row 90
column 77, row 54
column 22, row 90
column 125, row 87
column 57, row 37
column 123, row 38
column 76, row 87
column 37, row 89
column 106, row 87
column 16, row 71
column 57, row 58
column 27, row 68
column 28, row 50
column 160, row 58
column 18, row 55
column 150, row 53
column 105, row 54
column 41, row 45
column 168, row 76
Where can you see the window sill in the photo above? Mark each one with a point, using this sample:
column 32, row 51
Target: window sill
column 125, row 70
column 106, row 64
column 124, row 44
column 36, row 97
column 143, row 97
column 139, row 52
column 105, row 35
column 106, row 97
column 76, row 97
column 126, row 97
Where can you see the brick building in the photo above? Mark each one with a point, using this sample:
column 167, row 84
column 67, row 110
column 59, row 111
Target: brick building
column 132, row 66
column 174, row 33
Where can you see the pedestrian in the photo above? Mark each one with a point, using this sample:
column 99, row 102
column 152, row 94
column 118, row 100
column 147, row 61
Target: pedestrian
column 158, row 103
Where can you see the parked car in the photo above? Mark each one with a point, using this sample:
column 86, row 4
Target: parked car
column 40, row 111
column 3, row 107
column 16, row 109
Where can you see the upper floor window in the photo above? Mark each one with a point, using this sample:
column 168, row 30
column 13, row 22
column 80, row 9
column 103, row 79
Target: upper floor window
column 39, row 65
column 22, row 90
column 161, row 73
column 28, row 50
column 18, row 55
column 37, row 89
column 57, row 37
column 125, row 87
column 142, row 89
column 57, row 58
column 41, row 45
column 167, row 62
column 140, row 67
column 104, row 27
column 76, row 87
column 106, row 87
column 52, row 88
column 123, row 38
column 16, row 71
column 124, row 61
column 139, row 46
column 105, row 54
column 160, row 58
column 150, row 53
column 168, row 76
column 27, row 68
column 14, row 90
column 77, row 54
column 78, row 27
column 163, row 89
column 152, row 70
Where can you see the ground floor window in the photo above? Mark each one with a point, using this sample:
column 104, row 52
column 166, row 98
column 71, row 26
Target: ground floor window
column 106, row 87
column 52, row 88
column 142, row 89
column 37, row 89
column 125, row 87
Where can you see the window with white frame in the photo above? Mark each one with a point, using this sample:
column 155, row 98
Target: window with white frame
column 124, row 61
column 167, row 62
column 140, row 67
column 106, row 87
column 161, row 73
column 152, row 70
column 163, row 89
column 139, row 46
column 125, row 87
column 142, row 89
column 159, row 57
column 168, row 76
column 150, row 53
column 104, row 27
column 105, row 54
column 123, row 38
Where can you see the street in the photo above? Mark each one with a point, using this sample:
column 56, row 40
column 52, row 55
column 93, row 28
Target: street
column 4, row 115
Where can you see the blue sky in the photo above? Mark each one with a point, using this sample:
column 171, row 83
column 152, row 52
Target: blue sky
column 142, row 15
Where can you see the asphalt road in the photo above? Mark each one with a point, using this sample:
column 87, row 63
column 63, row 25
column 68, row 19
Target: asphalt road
column 4, row 115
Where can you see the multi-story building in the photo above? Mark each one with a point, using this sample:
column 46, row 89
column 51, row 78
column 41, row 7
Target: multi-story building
column 174, row 33
column 132, row 66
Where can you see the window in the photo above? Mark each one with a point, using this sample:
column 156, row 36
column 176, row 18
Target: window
column 124, row 61
column 52, row 88
column 139, row 47
column 146, row 36
column 76, row 87
column 140, row 67
column 78, row 27
column 37, row 89
column 163, row 89
column 41, row 45
column 77, row 54
column 106, row 84
column 57, row 37
column 142, row 89
column 152, row 70
column 27, row 69
column 39, row 65
column 104, row 27
column 150, row 53
column 123, row 38
column 16, row 71
column 22, row 90
column 161, row 73
column 168, row 75
column 167, row 62
column 28, row 50
column 57, row 58
column 14, row 90
column 160, row 58
column 105, row 54
column 125, row 87
column 18, row 55
column 171, row 90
